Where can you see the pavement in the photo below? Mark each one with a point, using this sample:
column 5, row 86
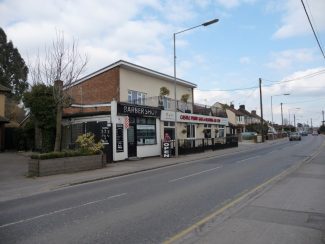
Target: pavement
column 291, row 210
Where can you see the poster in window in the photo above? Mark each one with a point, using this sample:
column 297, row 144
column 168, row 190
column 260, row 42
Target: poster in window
column 105, row 134
column 119, row 138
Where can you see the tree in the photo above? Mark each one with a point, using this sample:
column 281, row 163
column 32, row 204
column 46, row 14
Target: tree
column 13, row 70
column 40, row 102
column 61, row 66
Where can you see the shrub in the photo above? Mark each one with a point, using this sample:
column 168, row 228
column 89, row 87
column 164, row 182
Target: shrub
column 86, row 143
column 63, row 154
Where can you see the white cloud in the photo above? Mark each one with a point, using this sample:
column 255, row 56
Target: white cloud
column 286, row 59
column 294, row 20
column 306, row 93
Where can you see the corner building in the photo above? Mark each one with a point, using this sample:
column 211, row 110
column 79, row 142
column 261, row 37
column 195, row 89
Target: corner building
column 122, row 106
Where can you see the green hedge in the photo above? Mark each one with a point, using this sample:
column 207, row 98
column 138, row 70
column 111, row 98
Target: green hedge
column 63, row 154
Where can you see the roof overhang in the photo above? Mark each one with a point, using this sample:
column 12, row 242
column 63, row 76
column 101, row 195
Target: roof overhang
column 139, row 69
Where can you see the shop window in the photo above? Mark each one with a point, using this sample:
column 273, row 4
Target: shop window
column 221, row 132
column 190, row 131
column 146, row 131
column 207, row 133
column 136, row 97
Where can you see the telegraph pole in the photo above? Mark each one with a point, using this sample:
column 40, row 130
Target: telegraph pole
column 323, row 117
column 261, row 104
column 311, row 122
column 281, row 117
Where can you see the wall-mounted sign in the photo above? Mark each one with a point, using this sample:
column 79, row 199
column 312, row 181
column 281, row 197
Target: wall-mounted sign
column 119, row 138
column 137, row 110
column 193, row 118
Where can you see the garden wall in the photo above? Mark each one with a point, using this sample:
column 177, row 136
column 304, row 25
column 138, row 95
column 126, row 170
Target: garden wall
column 37, row 167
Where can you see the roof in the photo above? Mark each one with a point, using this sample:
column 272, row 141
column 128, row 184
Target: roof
column 235, row 111
column 4, row 89
column 139, row 69
column 245, row 112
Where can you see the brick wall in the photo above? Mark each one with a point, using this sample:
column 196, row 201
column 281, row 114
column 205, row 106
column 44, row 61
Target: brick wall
column 102, row 88
column 64, row 165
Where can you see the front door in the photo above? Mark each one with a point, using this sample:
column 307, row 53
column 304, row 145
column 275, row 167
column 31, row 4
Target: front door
column 132, row 142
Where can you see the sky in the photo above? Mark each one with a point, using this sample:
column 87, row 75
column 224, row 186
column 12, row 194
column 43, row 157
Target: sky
column 253, row 39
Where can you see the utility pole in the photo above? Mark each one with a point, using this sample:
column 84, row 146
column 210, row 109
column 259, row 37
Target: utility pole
column 281, row 117
column 294, row 121
column 311, row 122
column 261, row 104
column 323, row 117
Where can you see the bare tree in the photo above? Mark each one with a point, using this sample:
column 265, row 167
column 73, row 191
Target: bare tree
column 60, row 67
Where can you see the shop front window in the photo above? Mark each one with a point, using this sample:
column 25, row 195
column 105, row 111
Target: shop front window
column 146, row 131
column 190, row 131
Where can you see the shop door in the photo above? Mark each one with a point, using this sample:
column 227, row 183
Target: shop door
column 132, row 143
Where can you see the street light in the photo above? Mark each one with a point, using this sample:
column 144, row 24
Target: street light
column 290, row 109
column 175, row 98
column 285, row 94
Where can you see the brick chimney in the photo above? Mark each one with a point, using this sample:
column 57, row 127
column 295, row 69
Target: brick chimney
column 242, row 107
column 232, row 106
column 254, row 112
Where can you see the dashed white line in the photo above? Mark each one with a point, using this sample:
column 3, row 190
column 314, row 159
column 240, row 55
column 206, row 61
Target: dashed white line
column 246, row 159
column 198, row 173
column 61, row 210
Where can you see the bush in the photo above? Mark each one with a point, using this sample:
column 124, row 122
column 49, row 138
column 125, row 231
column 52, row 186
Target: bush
column 87, row 146
column 86, row 143
column 63, row 154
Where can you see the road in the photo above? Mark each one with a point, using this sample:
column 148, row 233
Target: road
column 147, row 207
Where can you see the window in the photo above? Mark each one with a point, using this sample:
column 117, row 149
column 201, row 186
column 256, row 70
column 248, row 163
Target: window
column 190, row 131
column 166, row 103
column 146, row 131
column 169, row 124
column 136, row 97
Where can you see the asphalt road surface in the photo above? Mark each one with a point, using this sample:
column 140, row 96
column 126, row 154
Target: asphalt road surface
column 147, row 207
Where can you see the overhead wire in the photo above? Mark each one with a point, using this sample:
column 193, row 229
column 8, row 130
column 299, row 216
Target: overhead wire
column 312, row 27
column 322, row 71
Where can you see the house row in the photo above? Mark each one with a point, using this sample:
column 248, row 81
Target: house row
column 131, row 109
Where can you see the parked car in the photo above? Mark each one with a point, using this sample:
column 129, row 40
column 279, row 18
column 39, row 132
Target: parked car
column 295, row 136
column 304, row 133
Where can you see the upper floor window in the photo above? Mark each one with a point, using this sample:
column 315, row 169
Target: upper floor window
column 136, row 97
column 167, row 103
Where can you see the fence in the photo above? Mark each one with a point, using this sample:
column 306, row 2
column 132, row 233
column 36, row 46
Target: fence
column 189, row 146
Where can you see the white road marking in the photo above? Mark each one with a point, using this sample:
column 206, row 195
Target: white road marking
column 61, row 210
column 246, row 159
column 198, row 173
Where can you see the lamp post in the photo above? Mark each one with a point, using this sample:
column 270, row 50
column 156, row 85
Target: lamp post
column 285, row 94
column 290, row 109
column 281, row 118
column 175, row 97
